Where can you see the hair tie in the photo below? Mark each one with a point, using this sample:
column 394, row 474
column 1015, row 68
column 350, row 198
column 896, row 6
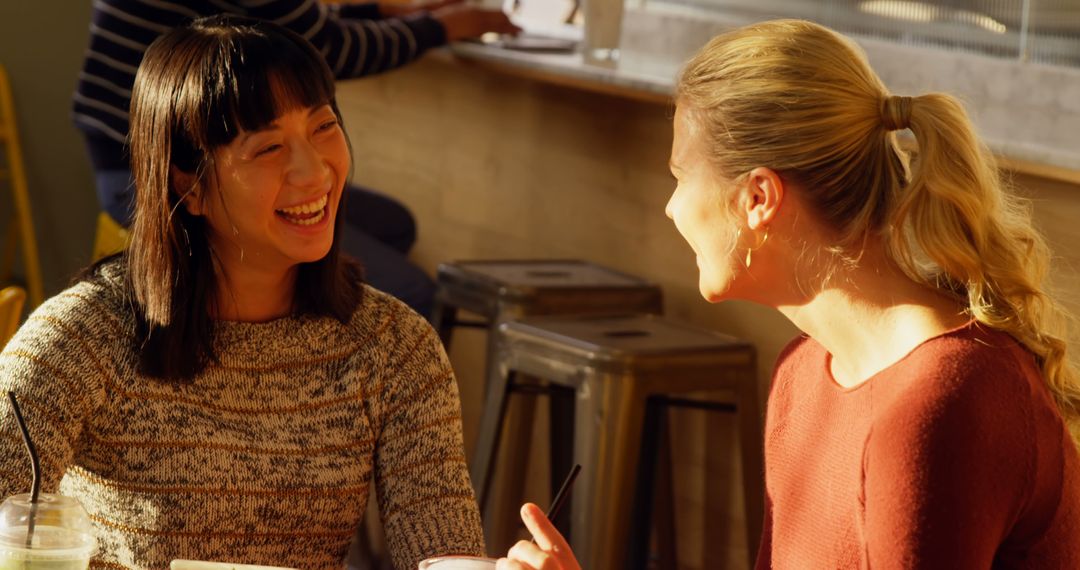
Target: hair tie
column 896, row 112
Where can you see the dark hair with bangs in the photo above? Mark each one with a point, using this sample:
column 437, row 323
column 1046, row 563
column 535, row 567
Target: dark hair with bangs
column 198, row 87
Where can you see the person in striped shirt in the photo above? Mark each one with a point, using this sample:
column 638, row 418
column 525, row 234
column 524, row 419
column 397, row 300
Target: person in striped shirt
column 355, row 39
column 228, row 389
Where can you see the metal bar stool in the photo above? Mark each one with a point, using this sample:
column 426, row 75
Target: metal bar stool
column 614, row 365
column 500, row 291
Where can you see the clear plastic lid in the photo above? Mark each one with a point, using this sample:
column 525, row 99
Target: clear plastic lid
column 458, row 563
column 62, row 529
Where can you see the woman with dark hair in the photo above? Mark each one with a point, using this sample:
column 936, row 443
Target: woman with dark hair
column 356, row 39
column 228, row 389
column 921, row 420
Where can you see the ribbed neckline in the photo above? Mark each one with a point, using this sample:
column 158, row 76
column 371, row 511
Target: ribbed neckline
column 826, row 369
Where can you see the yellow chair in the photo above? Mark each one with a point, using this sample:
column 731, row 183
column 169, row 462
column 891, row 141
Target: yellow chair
column 111, row 237
column 21, row 226
column 11, row 305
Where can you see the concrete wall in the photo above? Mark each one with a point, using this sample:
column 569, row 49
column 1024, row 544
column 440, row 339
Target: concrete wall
column 41, row 46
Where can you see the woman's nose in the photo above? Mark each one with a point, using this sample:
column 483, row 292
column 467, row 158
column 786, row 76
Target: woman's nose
column 306, row 165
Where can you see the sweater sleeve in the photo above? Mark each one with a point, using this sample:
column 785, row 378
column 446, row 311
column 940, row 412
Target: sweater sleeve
column 422, row 481
column 57, row 375
column 352, row 47
column 764, row 548
column 358, row 10
column 948, row 471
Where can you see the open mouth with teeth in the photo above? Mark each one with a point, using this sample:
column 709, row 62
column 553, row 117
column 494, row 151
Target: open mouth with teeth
column 307, row 214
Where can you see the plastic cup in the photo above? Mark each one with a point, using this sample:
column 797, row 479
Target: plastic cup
column 458, row 563
column 63, row 538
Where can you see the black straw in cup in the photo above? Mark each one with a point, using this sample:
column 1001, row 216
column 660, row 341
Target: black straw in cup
column 562, row 495
column 35, row 466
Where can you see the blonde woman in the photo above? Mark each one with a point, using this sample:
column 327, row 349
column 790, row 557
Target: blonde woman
column 920, row 421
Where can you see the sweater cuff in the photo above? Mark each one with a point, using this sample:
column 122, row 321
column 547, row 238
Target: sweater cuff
column 428, row 31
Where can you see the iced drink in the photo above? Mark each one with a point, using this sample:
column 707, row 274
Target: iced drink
column 62, row 538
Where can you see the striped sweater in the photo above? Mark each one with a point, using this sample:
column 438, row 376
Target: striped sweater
column 268, row 457
column 353, row 38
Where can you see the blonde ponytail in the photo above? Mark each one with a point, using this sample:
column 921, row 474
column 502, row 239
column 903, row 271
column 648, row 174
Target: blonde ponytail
column 802, row 100
column 956, row 228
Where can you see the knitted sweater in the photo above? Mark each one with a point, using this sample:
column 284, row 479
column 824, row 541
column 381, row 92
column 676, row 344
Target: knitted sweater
column 354, row 38
column 954, row 457
column 268, row 457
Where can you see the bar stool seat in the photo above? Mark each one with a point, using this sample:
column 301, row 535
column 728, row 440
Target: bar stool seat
column 503, row 290
column 614, row 365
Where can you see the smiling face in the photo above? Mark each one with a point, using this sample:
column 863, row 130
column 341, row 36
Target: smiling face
column 273, row 196
column 701, row 208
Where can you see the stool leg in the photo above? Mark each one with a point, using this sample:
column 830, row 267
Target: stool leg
column 616, row 461
column 753, row 467
column 562, row 446
column 507, row 490
column 487, row 441
column 443, row 319
column 664, row 504
column 642, row 513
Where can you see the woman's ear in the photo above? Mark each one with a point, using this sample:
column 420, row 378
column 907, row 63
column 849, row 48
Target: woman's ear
column 186, row 186
column 765, row 193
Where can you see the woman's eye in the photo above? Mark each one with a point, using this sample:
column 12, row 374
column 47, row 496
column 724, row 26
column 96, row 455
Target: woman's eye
column 328, row 125
column 267, row 149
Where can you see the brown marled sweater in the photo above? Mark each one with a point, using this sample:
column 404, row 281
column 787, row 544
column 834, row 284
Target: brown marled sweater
column 267, row 458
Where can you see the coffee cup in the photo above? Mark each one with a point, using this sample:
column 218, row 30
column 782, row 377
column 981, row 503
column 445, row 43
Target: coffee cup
column 458, row 563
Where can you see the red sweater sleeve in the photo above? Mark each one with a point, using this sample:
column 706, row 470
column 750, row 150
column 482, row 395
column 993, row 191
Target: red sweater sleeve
column 947, row 471
column 764, row 553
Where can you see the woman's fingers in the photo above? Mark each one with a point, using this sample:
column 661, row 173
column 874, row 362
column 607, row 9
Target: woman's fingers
column 433, row 5
column 547, row 537
column 550, row 551
column 508, row 564
column 532, row 557
column 545, row 534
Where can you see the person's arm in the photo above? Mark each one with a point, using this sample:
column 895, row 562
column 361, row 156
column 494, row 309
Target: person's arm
column 421, row 477
column 376, row 10
column 360, row 47
column 58, row 379
column 359, row 10
column 946, row 477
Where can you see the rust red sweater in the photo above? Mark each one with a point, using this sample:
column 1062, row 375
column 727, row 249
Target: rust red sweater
column 954, row 457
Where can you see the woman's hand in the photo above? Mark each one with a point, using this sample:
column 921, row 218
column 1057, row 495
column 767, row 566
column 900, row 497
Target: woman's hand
column 550, row 551
column 463, row 21
column 399, row 9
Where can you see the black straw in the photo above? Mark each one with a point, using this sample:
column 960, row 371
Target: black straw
column 562, row 495
column 35, row 466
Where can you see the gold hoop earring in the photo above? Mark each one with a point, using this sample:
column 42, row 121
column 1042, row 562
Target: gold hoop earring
column 751, row 250
column 187, row 239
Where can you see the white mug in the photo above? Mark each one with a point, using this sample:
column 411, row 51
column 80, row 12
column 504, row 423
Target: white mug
column 458, row 563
